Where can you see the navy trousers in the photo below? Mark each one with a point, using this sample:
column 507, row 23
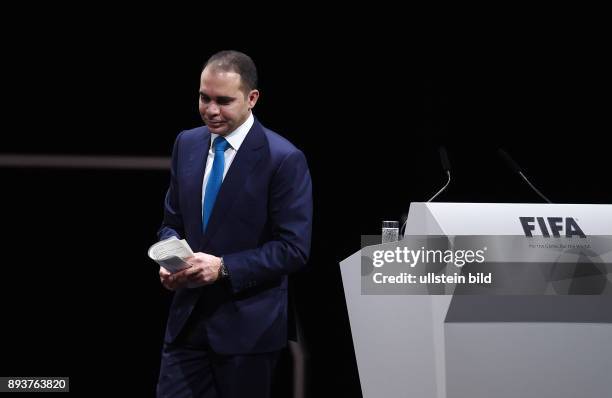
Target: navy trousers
column 190, row 368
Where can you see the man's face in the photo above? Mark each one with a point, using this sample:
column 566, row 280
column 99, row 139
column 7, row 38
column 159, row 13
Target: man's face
column 223, row 104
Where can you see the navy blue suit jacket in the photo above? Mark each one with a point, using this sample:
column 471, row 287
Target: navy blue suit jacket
column 261, row 224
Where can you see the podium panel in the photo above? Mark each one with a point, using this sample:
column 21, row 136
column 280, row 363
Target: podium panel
column 483, row 346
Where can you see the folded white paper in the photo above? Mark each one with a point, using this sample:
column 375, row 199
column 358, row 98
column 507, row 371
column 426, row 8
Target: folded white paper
column 171, row 253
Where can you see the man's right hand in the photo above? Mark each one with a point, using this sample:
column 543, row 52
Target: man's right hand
column 174, row 281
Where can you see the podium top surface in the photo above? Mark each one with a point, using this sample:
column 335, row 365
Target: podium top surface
column 446, row 218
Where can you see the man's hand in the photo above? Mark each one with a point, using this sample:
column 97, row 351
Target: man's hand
column 166, row 279
column 203, row 270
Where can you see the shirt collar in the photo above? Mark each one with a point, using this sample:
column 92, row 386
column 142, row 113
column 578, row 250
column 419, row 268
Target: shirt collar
column 236, row 137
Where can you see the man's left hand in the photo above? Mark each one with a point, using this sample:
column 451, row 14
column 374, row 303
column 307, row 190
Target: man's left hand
column 204, row 270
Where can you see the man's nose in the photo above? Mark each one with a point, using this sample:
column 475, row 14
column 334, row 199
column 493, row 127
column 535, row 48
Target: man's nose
column 212, row 109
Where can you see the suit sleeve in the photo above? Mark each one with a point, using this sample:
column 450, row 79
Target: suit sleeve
column 290, row 217
column 172, row 224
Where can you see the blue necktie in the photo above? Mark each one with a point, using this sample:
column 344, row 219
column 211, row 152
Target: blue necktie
column 214, row 179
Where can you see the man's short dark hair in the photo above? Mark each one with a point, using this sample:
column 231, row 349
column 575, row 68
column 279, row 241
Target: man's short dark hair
column 237, row 62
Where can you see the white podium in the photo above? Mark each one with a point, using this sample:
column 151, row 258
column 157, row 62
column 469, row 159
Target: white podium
column 476, row 346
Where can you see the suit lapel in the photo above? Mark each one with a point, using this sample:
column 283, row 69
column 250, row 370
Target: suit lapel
column 196, row 164
column 246, row 159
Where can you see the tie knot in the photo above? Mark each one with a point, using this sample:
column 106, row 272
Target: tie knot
column 220, row 144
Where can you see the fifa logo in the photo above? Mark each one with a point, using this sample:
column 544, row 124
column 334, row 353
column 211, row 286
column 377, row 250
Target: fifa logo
column 554, row 226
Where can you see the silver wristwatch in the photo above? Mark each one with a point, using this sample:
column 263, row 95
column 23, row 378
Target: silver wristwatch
column 223, row 270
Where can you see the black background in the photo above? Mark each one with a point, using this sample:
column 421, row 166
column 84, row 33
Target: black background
column 369, row 108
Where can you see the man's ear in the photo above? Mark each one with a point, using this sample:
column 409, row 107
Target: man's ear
column 252, row 98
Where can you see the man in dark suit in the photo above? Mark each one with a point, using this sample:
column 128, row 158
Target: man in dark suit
column 241, row 196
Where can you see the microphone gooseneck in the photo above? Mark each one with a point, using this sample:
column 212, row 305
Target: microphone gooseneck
column 515, row 167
